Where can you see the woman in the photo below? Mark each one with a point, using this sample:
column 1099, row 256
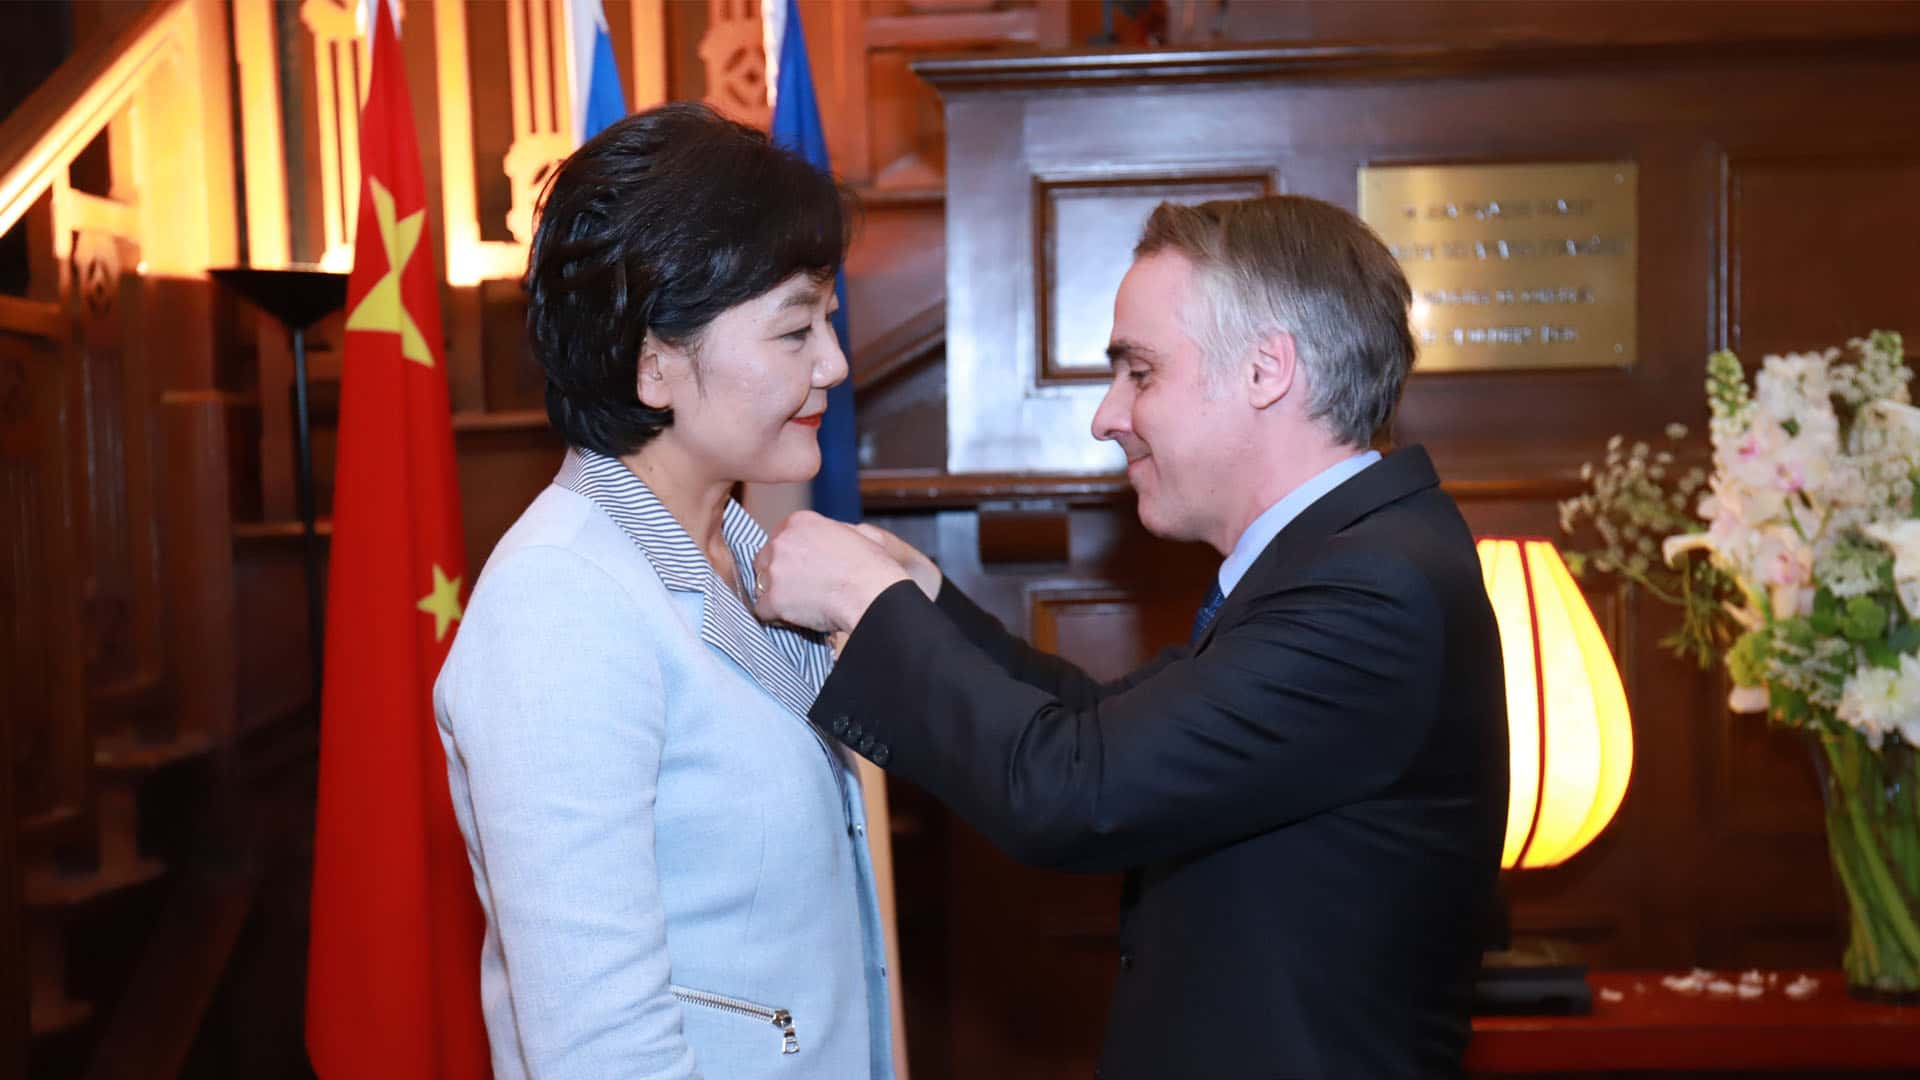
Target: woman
column 672, row 861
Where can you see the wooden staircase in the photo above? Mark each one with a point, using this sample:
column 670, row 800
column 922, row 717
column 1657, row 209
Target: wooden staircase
column 153, row 790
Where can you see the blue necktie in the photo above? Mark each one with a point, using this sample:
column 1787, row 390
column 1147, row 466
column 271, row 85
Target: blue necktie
column 1208, row 609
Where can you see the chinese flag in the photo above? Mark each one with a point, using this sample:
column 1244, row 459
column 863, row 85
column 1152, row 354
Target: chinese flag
column 393, row 980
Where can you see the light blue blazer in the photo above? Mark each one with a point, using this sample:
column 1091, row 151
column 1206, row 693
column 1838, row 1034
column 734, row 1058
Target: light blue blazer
column 672, row 862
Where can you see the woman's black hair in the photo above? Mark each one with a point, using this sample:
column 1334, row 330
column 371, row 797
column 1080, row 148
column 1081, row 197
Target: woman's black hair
column 660, row 223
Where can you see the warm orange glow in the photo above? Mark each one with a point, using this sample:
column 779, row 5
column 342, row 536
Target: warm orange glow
column 122, row 75
column 340, row 69
column 157, row 89
column 470, row 259
column 649, row 66
column 1571, row 739
column 256, row 57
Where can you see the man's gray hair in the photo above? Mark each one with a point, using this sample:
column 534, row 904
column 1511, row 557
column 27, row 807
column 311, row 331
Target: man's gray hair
column 1287, row 262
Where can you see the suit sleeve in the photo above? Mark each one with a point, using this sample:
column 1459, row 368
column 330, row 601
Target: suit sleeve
column 558, row 722
column 1319, row 696
column 1029, row 665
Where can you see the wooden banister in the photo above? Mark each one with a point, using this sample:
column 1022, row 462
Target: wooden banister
column 69, row 109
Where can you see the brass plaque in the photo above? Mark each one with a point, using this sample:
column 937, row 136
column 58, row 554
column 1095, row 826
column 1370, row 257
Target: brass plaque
column 1512, row 266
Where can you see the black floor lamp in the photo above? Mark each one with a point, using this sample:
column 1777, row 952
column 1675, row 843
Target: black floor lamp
column 298, row 298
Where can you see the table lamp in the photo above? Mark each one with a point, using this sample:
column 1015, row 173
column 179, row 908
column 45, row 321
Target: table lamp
column 1570, row 748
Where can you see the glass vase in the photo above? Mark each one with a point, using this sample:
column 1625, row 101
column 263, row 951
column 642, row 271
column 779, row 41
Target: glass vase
column 1873, row 834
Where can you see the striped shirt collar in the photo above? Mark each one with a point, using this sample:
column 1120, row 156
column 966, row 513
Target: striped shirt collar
column 789, row 664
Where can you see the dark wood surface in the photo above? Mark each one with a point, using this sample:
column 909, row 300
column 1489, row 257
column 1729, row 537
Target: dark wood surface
column 1760, row 165
column 1761, row 161
column 1653, row 1028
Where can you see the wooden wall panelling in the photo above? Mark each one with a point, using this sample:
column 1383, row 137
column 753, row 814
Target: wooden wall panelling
column 278, row 497
column 16, row 1017
column 272, row 659
column 45, row 283
column 26, row 330
column 883, row 124
column 1715, row 856
column 1086, row 226
column 896, row 302
column 837, row 53
column 143, row 467
column 1325, row 128
column 903, row 419
column 43, row 634
column 686, row 74
column 989, row 277
column 647, row 77
column 1618, row 22
column 258, row 93
column 1817, row 248
column 504, row 462
column 512, row 379
column 896, row 269
column 99, row 485
column 116, row 401
column 42, row 650
column 198, row 548
column 466, row 348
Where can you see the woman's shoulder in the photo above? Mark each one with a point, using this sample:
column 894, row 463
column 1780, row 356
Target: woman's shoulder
column 563, row 542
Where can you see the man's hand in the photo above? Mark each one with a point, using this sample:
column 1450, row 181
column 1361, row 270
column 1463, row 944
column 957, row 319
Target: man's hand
column 819, row 574
column 922, row 569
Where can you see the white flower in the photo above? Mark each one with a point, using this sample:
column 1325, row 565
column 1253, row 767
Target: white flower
column 1674, row 546
column 1748, row 699
column 1903, row 539
column 1904, row 418
column 1879, row 701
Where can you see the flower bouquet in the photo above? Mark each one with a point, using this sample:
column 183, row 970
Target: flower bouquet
column 1796, row 560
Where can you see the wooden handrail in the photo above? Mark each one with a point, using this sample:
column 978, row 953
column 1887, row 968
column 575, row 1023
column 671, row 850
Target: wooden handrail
column 58, row 121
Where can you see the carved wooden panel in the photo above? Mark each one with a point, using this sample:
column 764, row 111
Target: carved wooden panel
column 117, row 530
column 1030, row 285
column 1086, row 231
column 40, row 601
column 1107, row 629
column 1818, row 248
column 512, row 377
column 339, row 74
column 736, row 60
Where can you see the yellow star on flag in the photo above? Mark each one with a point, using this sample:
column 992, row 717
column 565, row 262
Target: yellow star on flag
column 443, row 603
column 382, row 309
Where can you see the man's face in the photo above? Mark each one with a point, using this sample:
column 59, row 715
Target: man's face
column 1178, row 430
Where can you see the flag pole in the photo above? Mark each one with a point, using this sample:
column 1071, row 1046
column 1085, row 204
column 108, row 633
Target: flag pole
column 298, row 297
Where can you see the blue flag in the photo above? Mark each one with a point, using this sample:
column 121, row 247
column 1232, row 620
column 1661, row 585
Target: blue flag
column 597, row 98
column 796, row 126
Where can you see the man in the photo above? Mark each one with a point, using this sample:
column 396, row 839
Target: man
column 1310, row 797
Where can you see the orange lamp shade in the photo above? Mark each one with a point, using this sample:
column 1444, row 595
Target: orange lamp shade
column 1570, row 739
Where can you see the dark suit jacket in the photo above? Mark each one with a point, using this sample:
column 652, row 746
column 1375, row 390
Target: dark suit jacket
column 1311, row 802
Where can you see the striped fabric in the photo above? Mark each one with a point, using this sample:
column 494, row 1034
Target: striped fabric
column 789, row 664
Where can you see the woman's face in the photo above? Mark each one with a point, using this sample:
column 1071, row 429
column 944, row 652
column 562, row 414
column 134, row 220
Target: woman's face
column 748, row 406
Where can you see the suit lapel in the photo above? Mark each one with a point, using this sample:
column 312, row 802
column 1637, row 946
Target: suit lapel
column 1394, row 477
